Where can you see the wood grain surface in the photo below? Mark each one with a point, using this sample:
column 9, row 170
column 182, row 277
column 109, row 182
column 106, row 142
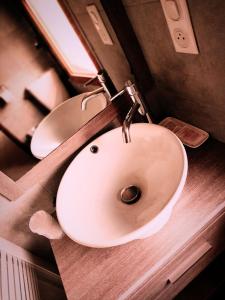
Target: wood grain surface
column 9, row 188
column 118, row 272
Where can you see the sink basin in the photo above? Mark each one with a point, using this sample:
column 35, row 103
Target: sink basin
column 89, row 206
column 63, row 122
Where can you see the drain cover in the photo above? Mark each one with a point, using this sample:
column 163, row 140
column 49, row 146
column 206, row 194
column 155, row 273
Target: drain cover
column 130, row 194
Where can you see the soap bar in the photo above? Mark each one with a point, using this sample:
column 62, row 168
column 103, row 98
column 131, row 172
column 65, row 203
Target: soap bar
column 189, row 135
column 42, row 223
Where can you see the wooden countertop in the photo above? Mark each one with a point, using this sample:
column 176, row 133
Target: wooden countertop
column 117, row 272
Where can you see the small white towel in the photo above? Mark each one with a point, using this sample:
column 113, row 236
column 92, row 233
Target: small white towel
column 44, row 224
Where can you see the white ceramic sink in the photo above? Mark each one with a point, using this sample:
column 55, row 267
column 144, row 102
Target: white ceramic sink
column 63, row 122
column 89, row 206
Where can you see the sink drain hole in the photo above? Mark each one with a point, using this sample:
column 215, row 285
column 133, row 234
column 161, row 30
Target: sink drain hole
column 94, row 149
column 130, row 195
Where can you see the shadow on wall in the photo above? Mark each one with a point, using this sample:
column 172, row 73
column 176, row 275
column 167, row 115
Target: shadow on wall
column 190, row 87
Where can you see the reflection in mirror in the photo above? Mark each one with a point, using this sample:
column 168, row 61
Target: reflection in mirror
column 63, row 122
column 33, row 82
column 62, row 38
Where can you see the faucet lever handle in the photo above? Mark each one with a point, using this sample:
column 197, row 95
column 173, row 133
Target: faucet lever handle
column 134, row 95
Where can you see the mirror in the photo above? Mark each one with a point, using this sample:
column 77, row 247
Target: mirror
column 33, row 82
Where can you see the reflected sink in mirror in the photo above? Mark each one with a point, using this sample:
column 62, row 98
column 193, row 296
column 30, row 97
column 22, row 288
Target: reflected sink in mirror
column 63, row 122
column 113, row 192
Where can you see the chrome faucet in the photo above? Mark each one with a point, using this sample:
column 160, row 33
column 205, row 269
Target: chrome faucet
column 128, row 121
column 102, row 80
column 138, row 105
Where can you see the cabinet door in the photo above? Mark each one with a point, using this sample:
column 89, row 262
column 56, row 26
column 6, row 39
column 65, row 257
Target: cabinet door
column 186, row 264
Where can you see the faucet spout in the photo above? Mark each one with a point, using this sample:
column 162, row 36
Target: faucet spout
column 127, row 122
column 138, row 105
column 89, row 96
column 106, row 86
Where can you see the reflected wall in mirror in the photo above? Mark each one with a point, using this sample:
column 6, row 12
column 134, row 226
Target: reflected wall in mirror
column 33, row 81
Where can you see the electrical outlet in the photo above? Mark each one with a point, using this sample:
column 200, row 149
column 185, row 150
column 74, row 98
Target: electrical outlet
column 99, row 25
column 181, row 38
column 179, row 24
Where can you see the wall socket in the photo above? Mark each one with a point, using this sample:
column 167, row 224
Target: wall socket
column 179, row 24
column 99, row 25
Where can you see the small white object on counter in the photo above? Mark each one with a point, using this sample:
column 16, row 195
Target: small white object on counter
column 44, row 224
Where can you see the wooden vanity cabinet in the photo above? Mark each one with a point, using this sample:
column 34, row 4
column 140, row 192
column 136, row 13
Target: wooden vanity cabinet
column 186, row 264
column 158, row 267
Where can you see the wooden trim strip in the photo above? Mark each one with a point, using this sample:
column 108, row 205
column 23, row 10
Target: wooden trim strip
column 9, row 188
column 189, row 261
